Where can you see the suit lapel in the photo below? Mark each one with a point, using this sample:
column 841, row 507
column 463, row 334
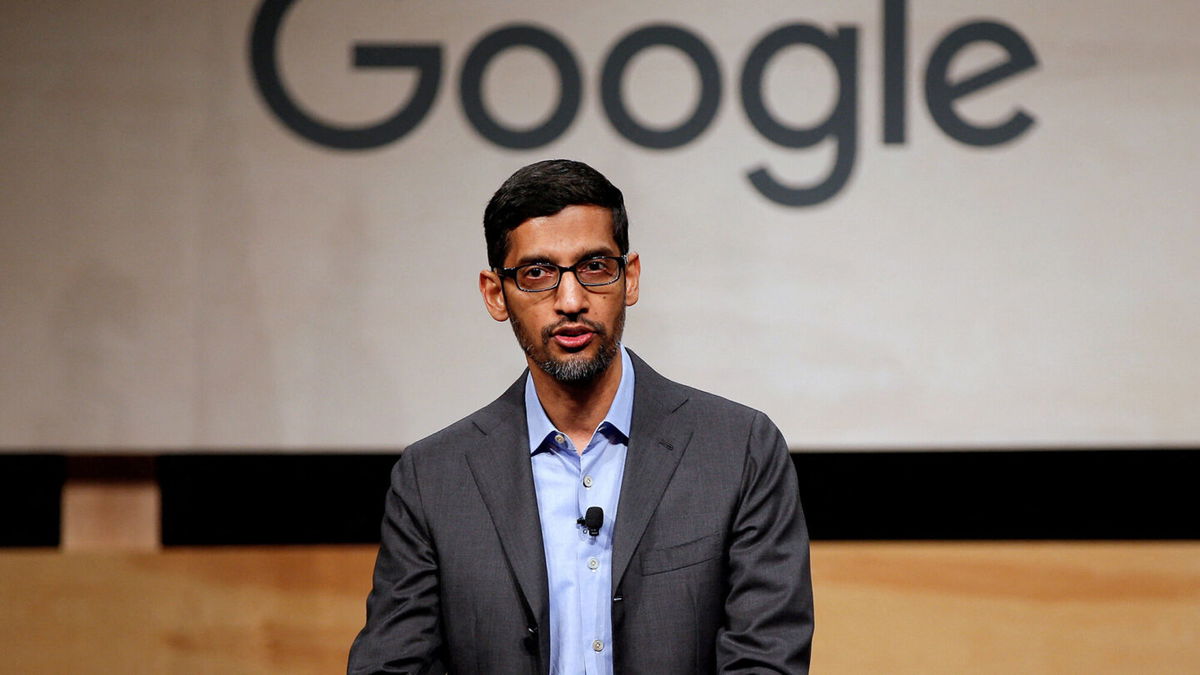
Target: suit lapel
column 504, row 475
column 655, row 448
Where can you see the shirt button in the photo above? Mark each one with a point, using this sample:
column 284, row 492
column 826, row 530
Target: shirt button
column 593, row 564
column 597, row 646
column 587, row 481
column 558, row 438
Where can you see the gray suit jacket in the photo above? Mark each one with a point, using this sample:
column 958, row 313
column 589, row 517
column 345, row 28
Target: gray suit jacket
column 710, row 551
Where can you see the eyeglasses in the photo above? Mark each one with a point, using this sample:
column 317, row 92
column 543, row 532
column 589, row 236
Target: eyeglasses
column 545, row 276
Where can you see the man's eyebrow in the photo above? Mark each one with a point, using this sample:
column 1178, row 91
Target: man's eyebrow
column 530, row 258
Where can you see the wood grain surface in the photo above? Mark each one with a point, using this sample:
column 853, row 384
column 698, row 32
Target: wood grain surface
column 881, row 608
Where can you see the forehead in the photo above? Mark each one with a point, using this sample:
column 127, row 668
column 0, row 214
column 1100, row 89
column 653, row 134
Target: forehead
column 563, row 237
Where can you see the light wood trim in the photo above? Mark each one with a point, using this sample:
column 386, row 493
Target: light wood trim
column 111, row 503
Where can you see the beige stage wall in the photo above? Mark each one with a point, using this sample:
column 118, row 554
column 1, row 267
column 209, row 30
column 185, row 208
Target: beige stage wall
column 179, row 269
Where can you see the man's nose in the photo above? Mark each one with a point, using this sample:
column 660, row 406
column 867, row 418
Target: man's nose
column 572, row 297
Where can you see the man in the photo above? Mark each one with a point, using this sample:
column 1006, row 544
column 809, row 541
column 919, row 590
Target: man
column 597, row 517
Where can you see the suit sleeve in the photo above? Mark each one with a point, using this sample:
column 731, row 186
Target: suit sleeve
column 769, row 607
column 402, row 633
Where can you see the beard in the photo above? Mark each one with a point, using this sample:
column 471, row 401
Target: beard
column 575, row 368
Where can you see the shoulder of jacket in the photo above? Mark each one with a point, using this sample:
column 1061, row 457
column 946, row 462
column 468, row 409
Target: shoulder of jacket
column 450, row 435
column 715, row 407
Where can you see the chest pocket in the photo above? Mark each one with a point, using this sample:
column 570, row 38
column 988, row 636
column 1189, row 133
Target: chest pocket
column 683, row 555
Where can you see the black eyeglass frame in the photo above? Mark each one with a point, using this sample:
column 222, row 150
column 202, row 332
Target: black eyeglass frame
column 511, row 272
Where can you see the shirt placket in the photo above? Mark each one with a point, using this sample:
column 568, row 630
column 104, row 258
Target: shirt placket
column 589, row 567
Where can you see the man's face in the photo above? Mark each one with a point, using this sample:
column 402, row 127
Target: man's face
column 570, row 332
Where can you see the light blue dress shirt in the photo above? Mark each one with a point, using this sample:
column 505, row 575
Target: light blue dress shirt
column 579, row 566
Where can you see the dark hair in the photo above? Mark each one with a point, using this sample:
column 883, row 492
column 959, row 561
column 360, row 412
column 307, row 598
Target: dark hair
column 543, row 189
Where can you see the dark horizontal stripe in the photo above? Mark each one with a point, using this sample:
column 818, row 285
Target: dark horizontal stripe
column 241, row 499
column 1029, row 494
column 1033, row 494
column 256, row 499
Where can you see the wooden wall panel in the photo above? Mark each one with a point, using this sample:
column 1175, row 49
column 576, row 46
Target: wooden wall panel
column 270, row 610
column 1007, row 608
column 881, row 608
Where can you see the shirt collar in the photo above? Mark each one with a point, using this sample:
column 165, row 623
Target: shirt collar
column 619, row 416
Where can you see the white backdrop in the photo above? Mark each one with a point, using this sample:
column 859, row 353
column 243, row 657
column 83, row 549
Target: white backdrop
column 179, row 270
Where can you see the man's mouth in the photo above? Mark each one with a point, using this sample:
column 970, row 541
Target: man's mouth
column 573, row 337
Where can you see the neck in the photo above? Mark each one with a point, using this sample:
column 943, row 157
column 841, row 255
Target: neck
column 578, row 408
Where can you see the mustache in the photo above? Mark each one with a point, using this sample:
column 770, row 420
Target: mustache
column 597, row 328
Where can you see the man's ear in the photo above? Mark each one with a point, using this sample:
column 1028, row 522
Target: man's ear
column 633, row 275
column 491, row 287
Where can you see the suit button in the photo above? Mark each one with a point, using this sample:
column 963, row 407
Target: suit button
column 530, row 642
column 597, row 646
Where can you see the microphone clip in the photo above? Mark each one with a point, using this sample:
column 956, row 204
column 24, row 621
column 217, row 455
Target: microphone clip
column 592, row 520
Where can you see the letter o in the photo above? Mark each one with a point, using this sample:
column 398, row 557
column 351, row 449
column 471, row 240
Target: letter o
column 471, row 86
column 614, row 71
